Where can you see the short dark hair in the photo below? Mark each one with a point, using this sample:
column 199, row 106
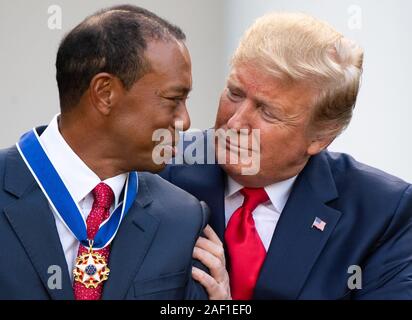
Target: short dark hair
column 112, row 40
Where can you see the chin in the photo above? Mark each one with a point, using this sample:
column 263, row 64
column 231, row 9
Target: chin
column 232, row 169
column 236, row 172
column 156, row 168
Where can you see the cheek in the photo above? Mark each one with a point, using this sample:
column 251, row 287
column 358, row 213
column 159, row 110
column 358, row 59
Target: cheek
column 153, row 116
column 225, row 111
column 278, row 144
column 273, row 139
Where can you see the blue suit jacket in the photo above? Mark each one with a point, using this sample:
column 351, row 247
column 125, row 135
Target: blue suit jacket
column 368, row 216
column 151, row 256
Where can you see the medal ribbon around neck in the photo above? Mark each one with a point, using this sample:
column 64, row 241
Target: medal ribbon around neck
column 59, row 197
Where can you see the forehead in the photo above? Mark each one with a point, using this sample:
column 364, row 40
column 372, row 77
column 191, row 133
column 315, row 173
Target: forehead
column 170, row 63
column 259, row 85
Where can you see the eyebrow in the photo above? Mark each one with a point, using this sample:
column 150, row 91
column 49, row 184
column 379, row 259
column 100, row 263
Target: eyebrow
column 232, row 83
column 178, row 89
column 275, row 105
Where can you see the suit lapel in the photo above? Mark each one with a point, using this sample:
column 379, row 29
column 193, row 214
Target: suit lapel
column 131, row 244
column 295, row 245
column 33, row 222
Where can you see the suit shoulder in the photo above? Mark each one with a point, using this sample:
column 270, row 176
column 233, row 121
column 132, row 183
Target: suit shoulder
column 3, row 157
column 177, row 204
column 342, row 163
column 360, row 181
column 163, row 188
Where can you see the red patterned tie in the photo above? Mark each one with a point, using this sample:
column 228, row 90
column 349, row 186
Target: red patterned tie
column 245, row 248
column 103, row 199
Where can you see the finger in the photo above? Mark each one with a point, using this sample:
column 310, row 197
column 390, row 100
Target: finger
column 209, row 283
column 211, row 235
column 211, row 247
column 215, row 265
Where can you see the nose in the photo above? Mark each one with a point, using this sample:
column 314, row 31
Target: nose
column 240, row 119
column 183, row 117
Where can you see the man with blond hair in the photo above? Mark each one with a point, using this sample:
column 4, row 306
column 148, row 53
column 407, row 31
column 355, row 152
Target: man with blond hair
column 310, row 224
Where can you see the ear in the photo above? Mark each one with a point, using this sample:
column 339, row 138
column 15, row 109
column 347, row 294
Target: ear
column 105, row 90
column 319, row 145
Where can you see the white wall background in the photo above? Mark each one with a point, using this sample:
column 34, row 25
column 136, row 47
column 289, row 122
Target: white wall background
column 378, row 135
column 28, row 48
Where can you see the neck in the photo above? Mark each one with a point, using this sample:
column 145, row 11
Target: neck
column 92, row 146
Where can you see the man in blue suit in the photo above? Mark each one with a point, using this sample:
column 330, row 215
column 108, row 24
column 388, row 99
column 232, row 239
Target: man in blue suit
column 297, row 221
column 122, row 74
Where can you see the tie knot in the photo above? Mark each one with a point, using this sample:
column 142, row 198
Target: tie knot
column 103, row 196
column 254, row 197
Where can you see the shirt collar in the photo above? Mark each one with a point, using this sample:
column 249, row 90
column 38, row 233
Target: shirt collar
column 66, row 161
column 278, row 192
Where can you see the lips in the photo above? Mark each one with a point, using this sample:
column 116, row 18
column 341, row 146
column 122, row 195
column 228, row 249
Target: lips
column 237, row 148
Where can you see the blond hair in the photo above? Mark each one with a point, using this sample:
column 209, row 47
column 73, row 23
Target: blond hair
column 296, row 47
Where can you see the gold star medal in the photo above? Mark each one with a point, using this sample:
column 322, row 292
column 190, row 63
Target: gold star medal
column 91, row 268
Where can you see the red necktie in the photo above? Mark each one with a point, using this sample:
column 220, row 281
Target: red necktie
column 245, row 248
column 103, row 199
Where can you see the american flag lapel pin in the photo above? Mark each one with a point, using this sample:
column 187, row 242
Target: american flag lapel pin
column 319, row 224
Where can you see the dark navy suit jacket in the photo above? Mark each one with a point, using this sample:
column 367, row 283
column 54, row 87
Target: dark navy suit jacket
column 151, row 256
column 368, row 216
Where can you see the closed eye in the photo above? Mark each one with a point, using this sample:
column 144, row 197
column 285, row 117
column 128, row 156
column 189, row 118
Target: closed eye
column 177, row 99
column 234, row 95
column 265, row 111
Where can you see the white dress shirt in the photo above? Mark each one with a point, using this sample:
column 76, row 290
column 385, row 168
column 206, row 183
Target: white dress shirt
column 267, row 214
column 80, row 181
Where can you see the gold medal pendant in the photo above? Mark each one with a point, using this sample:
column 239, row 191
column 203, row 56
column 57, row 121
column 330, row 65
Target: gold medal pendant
column 91, row 268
